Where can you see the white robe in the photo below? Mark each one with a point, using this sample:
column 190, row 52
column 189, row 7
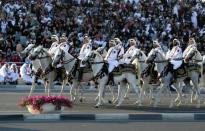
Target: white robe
column 186, row 51
column 111, row 58
column 128, row 55
column 25, row 73
column 64, row 46
column 14, row 74
column 5, row 73
column 175, row 53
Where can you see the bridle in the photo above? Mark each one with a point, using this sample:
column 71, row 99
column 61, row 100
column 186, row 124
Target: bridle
column 153, row 57
column 62, row 55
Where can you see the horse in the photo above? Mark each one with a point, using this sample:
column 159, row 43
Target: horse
column 35, row 64
column 157, row 57
column 70, row 64
column 139, row 61
column 195, row 67
column 48, row 72
column 100, row 72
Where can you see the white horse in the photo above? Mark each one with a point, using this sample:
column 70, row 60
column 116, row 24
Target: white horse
column 35, row 64
column 160, row 61
column 146, row 88
column 45, row 62
column 194, row 60
column 100, row 71
column 71, row 66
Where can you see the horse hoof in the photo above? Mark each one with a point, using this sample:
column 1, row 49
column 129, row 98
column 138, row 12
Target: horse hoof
column 170, row 106
column 109, row 101
column 178, row 104
column 118, row 105
column 81, row 100
column 127, row 98
column 96, row 106
column 155, row 105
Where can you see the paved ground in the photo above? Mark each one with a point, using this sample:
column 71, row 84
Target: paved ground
column 9, row 104
column 103, row 126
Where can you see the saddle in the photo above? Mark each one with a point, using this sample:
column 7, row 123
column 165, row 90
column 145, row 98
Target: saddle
column 181, row 71
column 150, row 71
column 124, row 68
column 77, row 71
column 153, row 74
column 194, row 67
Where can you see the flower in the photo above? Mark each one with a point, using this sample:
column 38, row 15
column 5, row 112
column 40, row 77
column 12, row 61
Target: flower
column 38, row 101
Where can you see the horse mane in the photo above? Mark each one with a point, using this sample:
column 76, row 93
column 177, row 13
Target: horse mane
column 161, row 53
column 198, row 53
column 97, row 53
column 46, row 51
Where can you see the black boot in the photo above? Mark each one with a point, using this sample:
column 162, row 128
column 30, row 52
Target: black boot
column 146, row 71
column 80, row 73
column 167, row 69
column 110, row 79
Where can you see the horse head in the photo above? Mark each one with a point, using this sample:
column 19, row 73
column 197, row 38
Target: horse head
column 53, row 49
column 36, row 52
column 193, row 54
column 94, row 56
column 138, row 54
column 27, row 50
column 152, row 56
column 58, row 56
column 96, row 61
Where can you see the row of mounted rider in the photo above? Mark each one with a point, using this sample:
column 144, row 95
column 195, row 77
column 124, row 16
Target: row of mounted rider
column 115, row 66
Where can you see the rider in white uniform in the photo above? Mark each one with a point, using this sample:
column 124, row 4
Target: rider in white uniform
column 84, row 52
column 111, row 56
column 127, row 57
column 119, row 46
column 191, row 45
column 55, row 45
column 64, row 43
column 175, row 55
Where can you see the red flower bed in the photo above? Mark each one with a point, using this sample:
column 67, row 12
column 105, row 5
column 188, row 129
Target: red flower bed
column 38, row 101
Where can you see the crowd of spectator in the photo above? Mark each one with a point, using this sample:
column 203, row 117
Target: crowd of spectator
column 34, row 21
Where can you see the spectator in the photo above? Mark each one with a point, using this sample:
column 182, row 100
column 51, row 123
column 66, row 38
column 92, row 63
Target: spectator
column 14, row 74
column 5, row 73
column 25, row 72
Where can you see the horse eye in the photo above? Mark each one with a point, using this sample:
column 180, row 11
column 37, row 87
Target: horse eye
column 56, row 45
column 64, row 45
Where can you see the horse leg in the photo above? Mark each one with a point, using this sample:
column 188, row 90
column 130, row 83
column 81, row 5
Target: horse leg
column 141, row 94
column 112, row 93
column 81, row 89
column 195, row 86
column 122, row 93
column 190, row 90
column 100, row 94
column 178, row 100
column 62, row 87
column 127, row 92
column 33, row 85
column 72, row 91
column 118, row 94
